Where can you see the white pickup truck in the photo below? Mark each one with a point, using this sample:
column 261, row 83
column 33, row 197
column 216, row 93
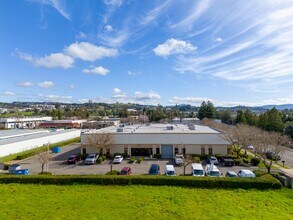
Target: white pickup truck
column 179, row 160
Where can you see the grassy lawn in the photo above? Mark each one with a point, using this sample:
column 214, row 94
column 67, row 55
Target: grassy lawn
column 141, row 202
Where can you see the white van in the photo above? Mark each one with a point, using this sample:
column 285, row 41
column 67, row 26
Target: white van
column 197, row 169
column 212, row 170
column 170, row 171
column 246, row 173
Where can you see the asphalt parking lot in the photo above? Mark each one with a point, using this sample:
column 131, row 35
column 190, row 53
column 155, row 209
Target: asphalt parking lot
column 58, row 165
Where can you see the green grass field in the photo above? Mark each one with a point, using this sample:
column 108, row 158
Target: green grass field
column 141, row 202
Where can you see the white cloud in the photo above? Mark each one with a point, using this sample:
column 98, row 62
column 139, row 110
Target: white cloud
column 96, row 70
column 55, row 98
column 114, row 3
column 109, row 28
column 146, row 98
column 8, row 93
column 54, row 60
column 71, row 86
column 46, row 84
column 89, row 52
column 131, row 73
column 25, row 84
column 117, row 91
column 153, row 14
column 218, row 40
column 188, row 100
column 57, row 4
column 174, row 46
column 80, row 35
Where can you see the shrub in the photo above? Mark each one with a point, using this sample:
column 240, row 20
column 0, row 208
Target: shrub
column 140, row 159
column 159, row 156
column 237, row 161
column 259, row 173
column 244, row 155
column 132, row 160
column 111, row 178
column 196, row 159
column 100, row 160
column 246, row 161
column 45, row 173
column 104, row 157
column 113, row 172
column 83, row 156
column 255, row 161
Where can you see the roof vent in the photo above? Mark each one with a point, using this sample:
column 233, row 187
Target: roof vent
column 119, row 129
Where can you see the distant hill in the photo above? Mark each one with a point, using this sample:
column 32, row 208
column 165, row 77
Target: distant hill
column 279, row 107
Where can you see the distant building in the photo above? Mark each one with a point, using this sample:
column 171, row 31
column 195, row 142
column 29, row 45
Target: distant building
column 185, row 120
column 165, row 139
column 61, row 124
column 28, row 122
column 100, row 124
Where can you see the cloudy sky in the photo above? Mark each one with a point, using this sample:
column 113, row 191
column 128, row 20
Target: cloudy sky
column 161, row 51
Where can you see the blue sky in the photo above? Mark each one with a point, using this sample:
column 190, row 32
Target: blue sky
column 148, row 52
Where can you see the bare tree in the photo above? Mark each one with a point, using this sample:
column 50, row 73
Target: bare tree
column 188, row 160
column 143, row 119
column 100, row 141
column 44, row 157
column 269, row 146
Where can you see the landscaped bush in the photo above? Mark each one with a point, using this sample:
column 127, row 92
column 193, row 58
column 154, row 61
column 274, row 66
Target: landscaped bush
column 45, row 173
column 140, row 159
column 255, row 161
column 246, row 161
column 237, row 161
column 264, row 182
column 113, row 172
column 100, row 160
column 259, row 173
column 132, row 160
column 244, row 155
column 196, row 159
column 83, row 156
column 159, row 156
column 104, row 157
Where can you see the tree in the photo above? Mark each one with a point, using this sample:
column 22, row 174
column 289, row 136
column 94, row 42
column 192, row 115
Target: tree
column 188, row 160
column 289, row 130
column 225, row 116
column 206, row 110
column 44, row 158
column 54, row 114
column 240, row 118
column 100, row 141
column 271, row 121
column 269, row 142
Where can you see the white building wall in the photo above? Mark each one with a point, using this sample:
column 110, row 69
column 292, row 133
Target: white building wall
column 20, row 146
column 117, row 149
column 220, row 149
column 193, row 149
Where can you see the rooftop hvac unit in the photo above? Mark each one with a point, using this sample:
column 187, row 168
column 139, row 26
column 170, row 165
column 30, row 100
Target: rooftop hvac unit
column 169, row 127
column 119, row 129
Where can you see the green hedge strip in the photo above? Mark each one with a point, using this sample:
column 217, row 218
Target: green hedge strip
column 264, row 182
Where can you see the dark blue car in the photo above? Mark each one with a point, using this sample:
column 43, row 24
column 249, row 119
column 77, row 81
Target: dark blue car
column 154, row 169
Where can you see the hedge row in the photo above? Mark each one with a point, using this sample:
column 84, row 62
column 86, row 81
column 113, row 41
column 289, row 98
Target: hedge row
column 264, row 182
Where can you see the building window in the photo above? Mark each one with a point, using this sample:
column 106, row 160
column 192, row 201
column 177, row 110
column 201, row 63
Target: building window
column 126, row 151
column 203, row 151
column 210, row 151
column 176, row 150
column 83, row 150
column 157, row 150
column 108, row 151
column 183, row 151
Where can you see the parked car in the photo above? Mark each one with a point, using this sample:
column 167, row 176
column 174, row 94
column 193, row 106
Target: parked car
column 154, row 169
column 12, row 168
column 170, row 170
column 227, row 161
column 179, row 160
column 118, row 159
column 213, row 159
column 272, row 156
column 73, row 159
column 231, row 174
column 125, row 171
column 197, row 169
column 91, row 159
column 246, row 173
column 250, row 147
column 212, row 170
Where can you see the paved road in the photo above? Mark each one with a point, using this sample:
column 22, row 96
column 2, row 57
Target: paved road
column 58, row 165
column 288, row 157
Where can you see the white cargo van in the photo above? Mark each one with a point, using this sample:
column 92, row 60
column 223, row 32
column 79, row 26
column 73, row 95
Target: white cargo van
column 197, row 169
column 170, row 171
column 246, row 173
column 212, row 170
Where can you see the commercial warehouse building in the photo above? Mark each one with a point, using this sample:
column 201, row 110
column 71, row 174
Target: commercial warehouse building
column 164, row 139
column 15, row 141
column 29, row 122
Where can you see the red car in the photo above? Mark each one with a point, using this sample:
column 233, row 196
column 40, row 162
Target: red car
column 125, row 171
column 73, row 159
